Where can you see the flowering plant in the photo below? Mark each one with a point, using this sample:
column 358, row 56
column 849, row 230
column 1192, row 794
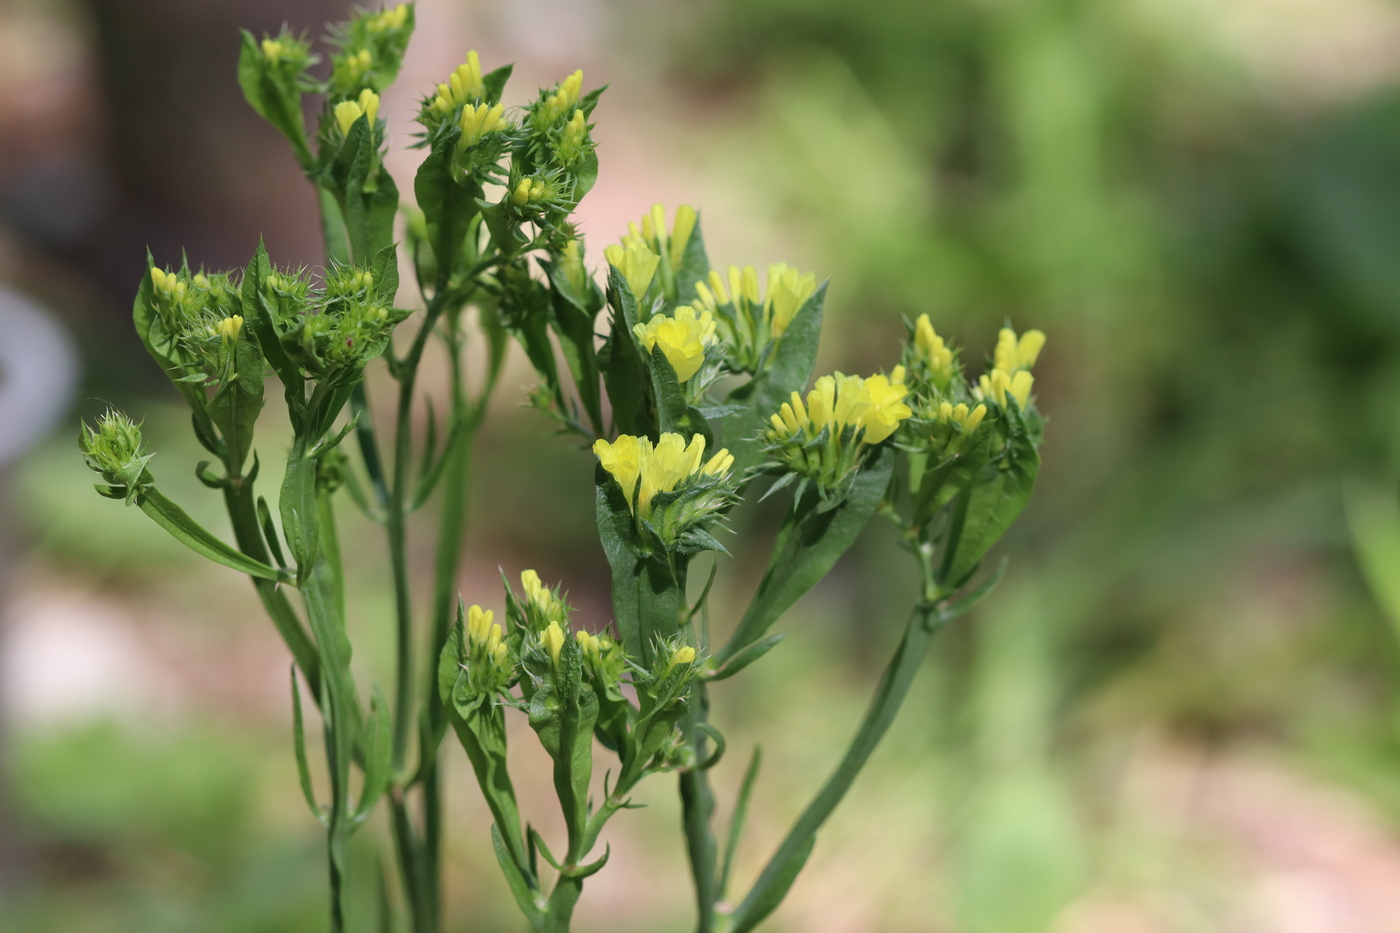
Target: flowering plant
column 691, row 358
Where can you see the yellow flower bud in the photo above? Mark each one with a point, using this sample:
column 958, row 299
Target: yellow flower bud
column 682, row 655
column 479, row 120
column 522, row 192
column 346, row 113
column 553, row 641
column 230, row 327
column 272, row 50
column 933, row 351
column 680, row 233
column 479, row 623
column 390, row 19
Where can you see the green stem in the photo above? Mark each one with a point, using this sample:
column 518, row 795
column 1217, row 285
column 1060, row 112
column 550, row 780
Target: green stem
column 782, row 869
column 697, row 812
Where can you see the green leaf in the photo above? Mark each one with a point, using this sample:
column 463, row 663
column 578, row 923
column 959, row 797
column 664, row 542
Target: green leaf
column 791, row 368
column 673, row 413
column 448, row 206
column 238, row 401
column 621, row 362
column 747, row 656
column 736, row 822
column 378, row 748
column 368, row 196
column 809, row 543
column 193, row 535
column 258, row 316
column 495, row 83
column 574, row 318
column 273, row 94
column 515, row 878
column 299, row 745
column 999, row 493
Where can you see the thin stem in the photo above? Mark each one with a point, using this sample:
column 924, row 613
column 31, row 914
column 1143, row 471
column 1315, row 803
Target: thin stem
column 782, row 869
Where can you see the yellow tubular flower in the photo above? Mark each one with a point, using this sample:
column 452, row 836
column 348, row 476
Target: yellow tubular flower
column 998, row 385
column 348, row 111
column 534, row 589
column 229, row 327
column 660, row 469
column 682, row 339
column 683, row 655
column 479, row 120
column 390, row 19
column 788, row 290
column 553, row 640
column 623, row 459
column 1012, row 354
column 960, row 415
column 885, row 408
column 680, row 233
column 932, row 349
column 479, row 624
column 636, row 263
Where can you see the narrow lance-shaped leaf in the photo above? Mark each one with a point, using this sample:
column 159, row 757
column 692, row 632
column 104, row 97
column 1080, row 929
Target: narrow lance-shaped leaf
column 791, row 368
column 809, row 543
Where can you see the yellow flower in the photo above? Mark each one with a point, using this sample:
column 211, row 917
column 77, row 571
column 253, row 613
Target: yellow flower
column 348, row 111
column 553, row 640
column 997, row 385
column 478, row 121
column 873, row 406
column 1012, row 354
column 229, row 327
column 787, row 290
column 933, row 351
column 564, row 98
column 636, row 263
column 272, row 50
column 653, row 233
column 682, row 338
column 637, row 465
column 389, row 19
column 961, row 415
column 683, row 655
column 463, row 86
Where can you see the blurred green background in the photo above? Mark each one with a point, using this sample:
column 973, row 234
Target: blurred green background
column 1180, row 711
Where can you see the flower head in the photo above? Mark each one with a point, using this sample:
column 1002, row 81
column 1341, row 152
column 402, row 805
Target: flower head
column 682, row 338
column 637, row 264
column 643, row 470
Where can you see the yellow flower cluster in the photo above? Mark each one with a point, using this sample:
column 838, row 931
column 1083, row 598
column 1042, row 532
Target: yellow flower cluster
column 564, row 98
column 874, row 406
column 463, row 86
column 391, row 19
column 348, row 111
column 933, row 351
column 169, row 284
column 483, row 632
column 653, row 235
column 529, row 189
column 643, row 470
column 960, row 414
column 787, row 289
column 479, row 120
column 229, row 327
column 682, row 338
column 542, row 599
column 1011, row 363
column 637, row 264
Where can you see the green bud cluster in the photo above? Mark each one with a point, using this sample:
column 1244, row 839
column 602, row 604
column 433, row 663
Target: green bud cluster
column 331, row 328
column 115, row 450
